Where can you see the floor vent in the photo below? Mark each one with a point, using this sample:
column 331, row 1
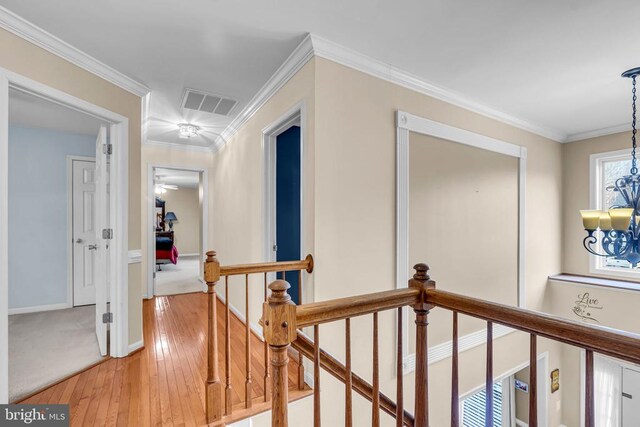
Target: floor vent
column 207, row 102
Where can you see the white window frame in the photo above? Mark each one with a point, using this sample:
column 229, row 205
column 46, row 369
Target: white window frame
column 596, row 263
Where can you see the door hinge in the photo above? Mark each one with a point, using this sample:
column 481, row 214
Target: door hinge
column 107, row 233
column 107, row 317
column 627, row 395
column 275, row 248
column 107, row 149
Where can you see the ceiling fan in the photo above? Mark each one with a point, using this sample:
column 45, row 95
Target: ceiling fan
column 161, row 188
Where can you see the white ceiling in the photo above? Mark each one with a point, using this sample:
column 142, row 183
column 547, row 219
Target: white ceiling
column 181, row 178
column 31, row 111
column 553, row 64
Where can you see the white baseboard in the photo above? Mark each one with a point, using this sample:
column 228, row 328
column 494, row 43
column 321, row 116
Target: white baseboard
column 443, row 351
column 38, row 308
column 135, row 346
column 186, row 255
column 520, row 423
column 257, row 329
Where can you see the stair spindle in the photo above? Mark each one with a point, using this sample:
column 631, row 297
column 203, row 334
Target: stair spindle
column 248, row 391
column 455, row 399
column 589, row 405
column 399, row 373
column 488, row 421
column 348, row 392
column 265, row 381
column 300, row 364
column 375, row 403
column 228, row 403
column 533, row 381
column 316, row 376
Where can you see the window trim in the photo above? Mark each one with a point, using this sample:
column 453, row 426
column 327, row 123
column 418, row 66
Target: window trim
column 595, row 202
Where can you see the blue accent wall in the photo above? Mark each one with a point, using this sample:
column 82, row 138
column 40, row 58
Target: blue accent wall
column 288, row 202
column 38, row 213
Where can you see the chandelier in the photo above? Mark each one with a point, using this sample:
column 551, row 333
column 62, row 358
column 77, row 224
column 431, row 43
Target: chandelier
column 619, row 227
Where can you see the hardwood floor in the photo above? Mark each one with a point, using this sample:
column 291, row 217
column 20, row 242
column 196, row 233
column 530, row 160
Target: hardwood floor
column 163, row 384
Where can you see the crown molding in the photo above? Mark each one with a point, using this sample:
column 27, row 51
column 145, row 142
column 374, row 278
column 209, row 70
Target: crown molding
column 598, row 132
column 352, row 59
column 177, row 146
column 41, row 38
column 298, row 58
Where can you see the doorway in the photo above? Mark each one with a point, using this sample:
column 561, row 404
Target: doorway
column 283, row 195
column 178, row 201
column 112, row 241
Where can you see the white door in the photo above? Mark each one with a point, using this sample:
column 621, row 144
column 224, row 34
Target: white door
column 630, row 398
column 102, row 246
column 84, row 231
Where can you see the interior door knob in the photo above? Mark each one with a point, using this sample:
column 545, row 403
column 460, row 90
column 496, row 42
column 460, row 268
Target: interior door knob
column 79, row 241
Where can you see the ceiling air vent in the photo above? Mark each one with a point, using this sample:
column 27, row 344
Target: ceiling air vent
column 207, row 102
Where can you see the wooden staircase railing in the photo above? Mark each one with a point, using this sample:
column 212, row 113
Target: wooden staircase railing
column 219, row 404
column 281, row 320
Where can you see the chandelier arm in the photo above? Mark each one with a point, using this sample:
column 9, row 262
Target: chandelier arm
column 589, row 241
column 620, row 188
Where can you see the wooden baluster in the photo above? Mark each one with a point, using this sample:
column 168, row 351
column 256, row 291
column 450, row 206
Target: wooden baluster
column 348, row 385
column 265, row 381
column 300, row 365
column 228, row 406
column 533, row 382
column 589, row 406
column 300, row 372
column 421, row 281
column 213, row 386
column 488, row 388
column 399, row 374
column 248, row 391
column 279, row 326
column 455, row 402
column 316, row 376
column 375, row 402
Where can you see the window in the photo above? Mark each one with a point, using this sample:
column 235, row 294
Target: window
column 474, row 407
column 606, row 168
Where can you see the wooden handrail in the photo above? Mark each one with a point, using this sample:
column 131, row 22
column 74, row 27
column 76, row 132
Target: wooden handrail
column 268, row 267
column 343, row 308
column 330, row 364
column 611, row 342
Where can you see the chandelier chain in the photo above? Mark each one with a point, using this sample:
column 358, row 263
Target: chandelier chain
column 634, row 167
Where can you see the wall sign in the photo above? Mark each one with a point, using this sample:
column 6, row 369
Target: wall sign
column 585, row 306
column 522, row 386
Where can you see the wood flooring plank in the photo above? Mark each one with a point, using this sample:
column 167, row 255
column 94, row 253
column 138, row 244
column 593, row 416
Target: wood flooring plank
column 163, row 384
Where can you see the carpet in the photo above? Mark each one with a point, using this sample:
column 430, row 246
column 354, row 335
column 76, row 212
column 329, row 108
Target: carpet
column 182, row 278
column 48, row 346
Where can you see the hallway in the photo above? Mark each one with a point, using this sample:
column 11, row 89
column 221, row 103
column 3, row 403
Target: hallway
column 163, row 384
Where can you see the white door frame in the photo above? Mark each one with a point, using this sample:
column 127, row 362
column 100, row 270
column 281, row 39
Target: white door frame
column 119, row 200
column 70, row 245
column 407, row 123
column 151, row 219
column 295, row 116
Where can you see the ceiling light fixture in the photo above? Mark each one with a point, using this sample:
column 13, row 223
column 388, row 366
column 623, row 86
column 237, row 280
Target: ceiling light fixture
column 188, row 130
column 619, row 225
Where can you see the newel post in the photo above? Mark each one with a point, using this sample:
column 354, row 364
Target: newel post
column 422, row 281
column 279, row 326
column 213, row 386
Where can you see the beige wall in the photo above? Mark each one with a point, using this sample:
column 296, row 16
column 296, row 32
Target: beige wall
column 522, row 398
column 238, row 171
column 159, row 156
column 463, row 221
column 575, row 179
column 22, row 57
column 185, row 203
column 355, row 176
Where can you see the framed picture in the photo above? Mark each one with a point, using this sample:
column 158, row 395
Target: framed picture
column 555, row 380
